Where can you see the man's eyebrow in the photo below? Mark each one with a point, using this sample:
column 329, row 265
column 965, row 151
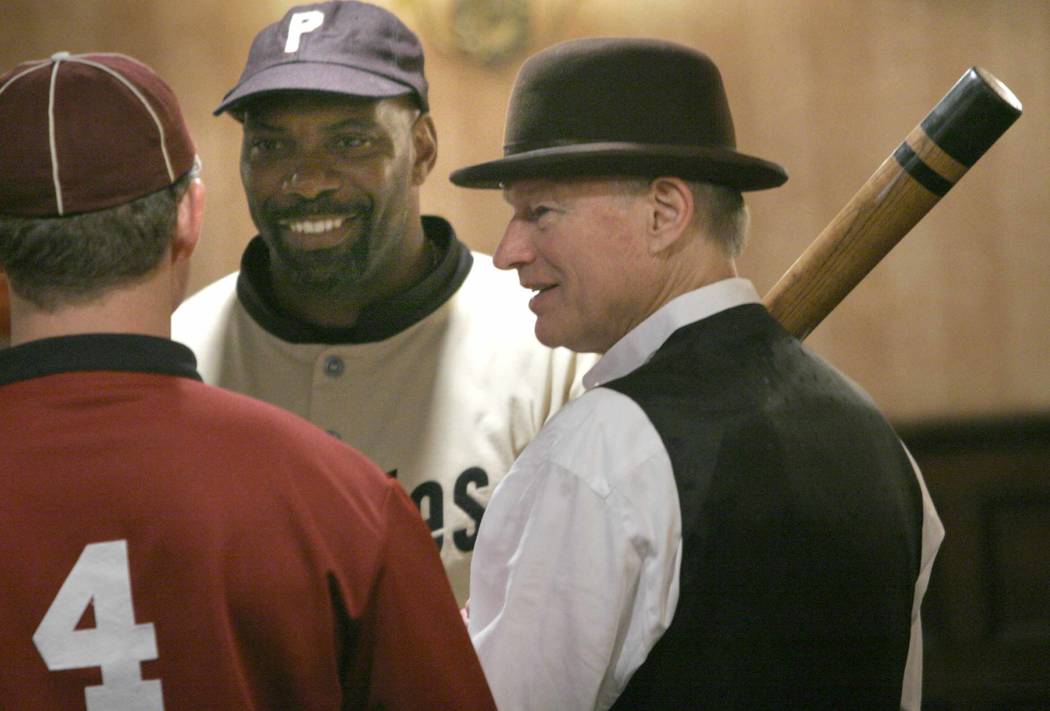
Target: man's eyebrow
column 355, row 123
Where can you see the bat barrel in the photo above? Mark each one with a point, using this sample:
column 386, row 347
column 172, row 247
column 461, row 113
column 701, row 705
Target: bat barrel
column 928, row 163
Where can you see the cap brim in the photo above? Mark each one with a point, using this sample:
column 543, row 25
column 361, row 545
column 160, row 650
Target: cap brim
column 314, row 76
column 714, row 165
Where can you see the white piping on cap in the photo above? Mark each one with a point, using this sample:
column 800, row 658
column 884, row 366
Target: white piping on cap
column 142, row 100
column 51, row 135
column 54, row 61
column 41, row 64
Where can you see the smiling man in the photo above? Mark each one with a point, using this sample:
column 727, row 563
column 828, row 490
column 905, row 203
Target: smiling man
column 722, row 521
column 351, row 308
column 330, row 184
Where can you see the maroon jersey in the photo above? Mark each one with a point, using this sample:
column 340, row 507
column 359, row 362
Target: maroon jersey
column 168, row 545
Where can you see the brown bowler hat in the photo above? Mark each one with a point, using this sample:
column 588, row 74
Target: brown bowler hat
column 621, row 106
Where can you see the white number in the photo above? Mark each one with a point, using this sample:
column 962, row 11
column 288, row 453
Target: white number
column 299, row 25
column 101, row 577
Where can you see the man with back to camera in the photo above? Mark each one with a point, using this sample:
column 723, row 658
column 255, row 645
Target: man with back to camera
column 351, row 310
column 722, row 520
column 167, row 544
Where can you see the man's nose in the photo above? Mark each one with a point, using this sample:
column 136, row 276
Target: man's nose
column 515, row 248
column 311, row 180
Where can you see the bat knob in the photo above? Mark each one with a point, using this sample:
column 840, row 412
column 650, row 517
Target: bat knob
column 972, row 116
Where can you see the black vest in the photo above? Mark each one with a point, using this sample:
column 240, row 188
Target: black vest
column 801, row 526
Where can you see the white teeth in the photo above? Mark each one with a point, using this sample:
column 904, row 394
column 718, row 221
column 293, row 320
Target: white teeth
column 311, row 227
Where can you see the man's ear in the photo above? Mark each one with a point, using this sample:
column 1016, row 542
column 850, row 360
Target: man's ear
column 189, row 220
column 424, row 143
column 670, row 212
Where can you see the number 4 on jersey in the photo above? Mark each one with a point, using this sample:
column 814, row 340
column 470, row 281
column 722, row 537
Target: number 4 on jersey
column 102, row 577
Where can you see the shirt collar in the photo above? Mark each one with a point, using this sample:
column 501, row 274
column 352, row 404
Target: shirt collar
column 638, row 346
column 122, row 352
column 377, row 321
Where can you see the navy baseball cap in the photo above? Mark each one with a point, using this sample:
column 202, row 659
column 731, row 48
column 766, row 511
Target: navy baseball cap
column 344, row 47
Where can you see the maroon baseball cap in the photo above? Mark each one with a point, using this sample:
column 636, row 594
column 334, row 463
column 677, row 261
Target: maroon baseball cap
column 344, row 47
column 86, row 132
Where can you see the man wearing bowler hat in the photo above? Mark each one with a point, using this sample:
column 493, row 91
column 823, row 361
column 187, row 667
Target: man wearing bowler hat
column 722, row 520
column 350, row 308
column 167, row 544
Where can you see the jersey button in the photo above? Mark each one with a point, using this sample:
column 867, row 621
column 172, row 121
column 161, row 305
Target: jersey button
column 334, row 366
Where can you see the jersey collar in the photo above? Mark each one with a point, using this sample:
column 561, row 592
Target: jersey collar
column 97, row 351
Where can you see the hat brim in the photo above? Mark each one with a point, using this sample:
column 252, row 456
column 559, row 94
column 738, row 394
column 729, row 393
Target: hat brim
column 713, row 165
column 313, row 76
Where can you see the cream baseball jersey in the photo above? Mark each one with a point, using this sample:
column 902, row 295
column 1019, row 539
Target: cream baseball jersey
column 443, row 399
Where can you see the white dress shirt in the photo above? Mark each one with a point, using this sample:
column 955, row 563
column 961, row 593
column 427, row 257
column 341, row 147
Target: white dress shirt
column 575, row 571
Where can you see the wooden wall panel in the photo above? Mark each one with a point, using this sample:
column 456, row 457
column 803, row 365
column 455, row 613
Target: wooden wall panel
column 986, row 616
column 952, row 323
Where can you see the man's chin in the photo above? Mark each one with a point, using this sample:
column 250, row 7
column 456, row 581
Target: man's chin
column 548, row 336
column 577, row 340
column 321, row 269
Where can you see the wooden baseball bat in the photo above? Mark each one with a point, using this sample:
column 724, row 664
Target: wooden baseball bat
column 933, row 157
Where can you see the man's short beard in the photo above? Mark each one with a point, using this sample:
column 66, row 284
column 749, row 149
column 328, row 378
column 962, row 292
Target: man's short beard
column 324, row 270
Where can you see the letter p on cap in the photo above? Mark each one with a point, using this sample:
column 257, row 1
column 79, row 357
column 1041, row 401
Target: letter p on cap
column 299, row 25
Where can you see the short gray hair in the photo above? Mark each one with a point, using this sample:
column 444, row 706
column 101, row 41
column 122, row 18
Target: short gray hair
column 719, row 212
column 722, row 215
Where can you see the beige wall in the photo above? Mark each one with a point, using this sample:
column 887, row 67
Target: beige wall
column 954, row 322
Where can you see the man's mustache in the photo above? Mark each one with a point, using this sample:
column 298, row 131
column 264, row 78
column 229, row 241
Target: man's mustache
column 306, row 209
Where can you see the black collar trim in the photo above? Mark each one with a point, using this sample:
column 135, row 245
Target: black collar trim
column 378, row 321
column 97, row 351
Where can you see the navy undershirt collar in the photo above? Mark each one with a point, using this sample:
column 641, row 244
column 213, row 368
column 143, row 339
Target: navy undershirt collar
column 377, row 321
column 120, row 352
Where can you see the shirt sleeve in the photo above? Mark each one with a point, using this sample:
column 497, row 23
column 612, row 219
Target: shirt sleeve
column 932, row 535
column 412, row 642
column 575, row 569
